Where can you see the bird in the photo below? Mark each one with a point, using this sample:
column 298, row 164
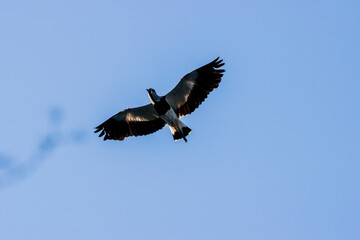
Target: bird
column 182, row 100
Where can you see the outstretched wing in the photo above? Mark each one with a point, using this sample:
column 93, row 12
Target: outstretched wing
column 131, row 122
column 194, row 87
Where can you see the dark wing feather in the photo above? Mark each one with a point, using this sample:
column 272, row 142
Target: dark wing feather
column 194, row 88
column 131, row 122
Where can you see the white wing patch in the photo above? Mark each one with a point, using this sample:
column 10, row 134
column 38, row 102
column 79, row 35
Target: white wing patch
column 131, row 117
column 189, row 82
column 136, row 118
column 190, row 85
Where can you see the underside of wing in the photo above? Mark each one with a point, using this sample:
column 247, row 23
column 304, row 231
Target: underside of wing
column 194, row 87
column 131, row 122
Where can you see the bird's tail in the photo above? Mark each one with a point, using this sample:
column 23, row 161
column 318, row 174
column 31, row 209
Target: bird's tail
column 180, row 131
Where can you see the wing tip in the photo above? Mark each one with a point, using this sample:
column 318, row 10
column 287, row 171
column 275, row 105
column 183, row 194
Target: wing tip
column 218, row 62
column 97, row 129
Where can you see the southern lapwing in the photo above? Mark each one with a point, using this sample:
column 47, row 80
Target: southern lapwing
column 187, row 95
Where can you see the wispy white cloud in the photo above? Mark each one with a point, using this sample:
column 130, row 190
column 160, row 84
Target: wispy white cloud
column 12, row 170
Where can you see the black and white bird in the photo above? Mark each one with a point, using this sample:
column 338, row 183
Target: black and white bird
column 187, row 95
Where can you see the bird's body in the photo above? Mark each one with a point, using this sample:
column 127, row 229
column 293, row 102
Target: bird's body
column 188, row 94
column 166, row 112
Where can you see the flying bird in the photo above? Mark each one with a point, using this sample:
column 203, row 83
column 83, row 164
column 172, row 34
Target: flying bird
column 182, row 100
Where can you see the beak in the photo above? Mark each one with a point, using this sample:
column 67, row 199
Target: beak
column 147, row 90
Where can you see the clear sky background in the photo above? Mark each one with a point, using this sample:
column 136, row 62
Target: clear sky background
column 274, row 152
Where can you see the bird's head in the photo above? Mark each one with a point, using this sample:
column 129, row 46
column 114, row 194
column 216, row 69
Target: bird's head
column 150, row 90
column 153, row 95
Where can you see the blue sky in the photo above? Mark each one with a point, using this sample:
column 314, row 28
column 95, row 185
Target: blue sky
column 274, row 152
